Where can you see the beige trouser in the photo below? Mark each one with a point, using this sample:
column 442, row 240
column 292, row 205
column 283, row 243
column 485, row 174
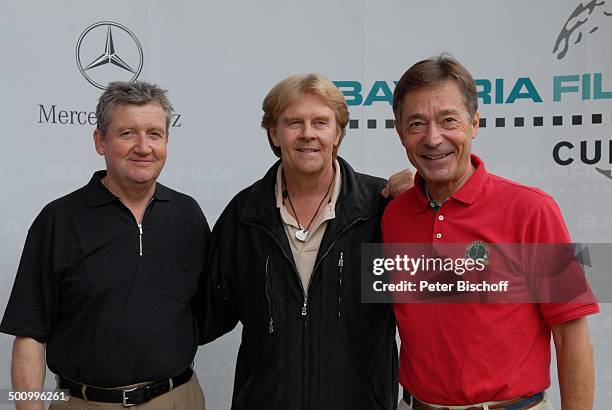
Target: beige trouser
column 543, row 405
column 187, row 396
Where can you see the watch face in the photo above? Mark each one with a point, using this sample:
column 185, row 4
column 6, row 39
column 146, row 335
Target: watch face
column 477, row 250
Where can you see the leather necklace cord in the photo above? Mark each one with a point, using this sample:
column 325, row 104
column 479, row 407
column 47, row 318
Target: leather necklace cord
column 433, row 203
column 303, row 233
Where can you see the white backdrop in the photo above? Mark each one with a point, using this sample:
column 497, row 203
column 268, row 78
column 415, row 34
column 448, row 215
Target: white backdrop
column 219, row 58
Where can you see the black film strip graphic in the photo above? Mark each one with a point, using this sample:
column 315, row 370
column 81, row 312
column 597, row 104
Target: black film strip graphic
column 500, row 122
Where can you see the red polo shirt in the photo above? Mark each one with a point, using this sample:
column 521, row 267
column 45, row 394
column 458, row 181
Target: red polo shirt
column 454, row 354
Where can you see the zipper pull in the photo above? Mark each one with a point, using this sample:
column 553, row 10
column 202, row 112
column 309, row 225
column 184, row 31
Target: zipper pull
column 341, row 260
column 271, row 326
column 304, row 308
column 140, row 238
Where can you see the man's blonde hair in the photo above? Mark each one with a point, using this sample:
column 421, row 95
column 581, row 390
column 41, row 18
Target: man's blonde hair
column 295, row 87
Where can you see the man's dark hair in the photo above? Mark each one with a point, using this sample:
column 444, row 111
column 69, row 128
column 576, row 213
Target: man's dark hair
column 435, row 71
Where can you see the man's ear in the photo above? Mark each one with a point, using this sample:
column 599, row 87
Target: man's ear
column 475, row 124
column 274, row 137
column 99, row 141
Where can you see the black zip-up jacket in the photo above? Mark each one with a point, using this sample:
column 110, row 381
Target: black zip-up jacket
column 328, row 351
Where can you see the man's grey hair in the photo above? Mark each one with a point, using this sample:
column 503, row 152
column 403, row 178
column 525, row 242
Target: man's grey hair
column 123, row 93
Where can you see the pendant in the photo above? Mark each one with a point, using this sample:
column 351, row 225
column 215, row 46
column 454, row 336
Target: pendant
column 301, row 235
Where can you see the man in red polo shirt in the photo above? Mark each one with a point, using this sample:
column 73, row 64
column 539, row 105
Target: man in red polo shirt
column 477, row 356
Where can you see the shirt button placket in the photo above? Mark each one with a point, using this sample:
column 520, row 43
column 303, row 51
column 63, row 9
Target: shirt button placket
column 439, row 234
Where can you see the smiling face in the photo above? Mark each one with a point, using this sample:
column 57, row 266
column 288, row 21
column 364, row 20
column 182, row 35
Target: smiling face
column 134, row 146
column 306, row 133
column 437, row 131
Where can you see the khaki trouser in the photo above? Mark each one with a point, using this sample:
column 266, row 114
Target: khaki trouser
column 187, row 396
column 543, row 405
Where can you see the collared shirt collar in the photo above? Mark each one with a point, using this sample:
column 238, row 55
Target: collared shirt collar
column 356, row 200
column 96, row 194
column 467, row 194
column 334, row 193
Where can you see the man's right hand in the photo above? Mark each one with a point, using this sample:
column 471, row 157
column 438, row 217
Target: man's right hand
column 399, row 182
column 28, row 369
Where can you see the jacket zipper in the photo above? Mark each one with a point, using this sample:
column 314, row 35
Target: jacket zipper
column 268, row 296
column 340, row 269
column 290, row 260
column 304, row 310
column 346, row 228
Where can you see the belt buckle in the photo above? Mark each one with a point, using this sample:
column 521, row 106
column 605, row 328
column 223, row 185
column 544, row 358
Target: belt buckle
column 125, row 398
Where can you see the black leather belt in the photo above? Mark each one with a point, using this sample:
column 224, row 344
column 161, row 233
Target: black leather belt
column 128, row 397
column 522, row 403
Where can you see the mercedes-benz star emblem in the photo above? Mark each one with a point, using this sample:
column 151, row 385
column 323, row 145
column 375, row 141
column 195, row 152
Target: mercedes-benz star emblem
column 121, row 58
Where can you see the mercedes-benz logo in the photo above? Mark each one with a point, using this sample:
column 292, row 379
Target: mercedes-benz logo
column 107, row 51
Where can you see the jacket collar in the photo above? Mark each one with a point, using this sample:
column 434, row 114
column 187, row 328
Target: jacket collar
column 355, row 202
column 97, row 195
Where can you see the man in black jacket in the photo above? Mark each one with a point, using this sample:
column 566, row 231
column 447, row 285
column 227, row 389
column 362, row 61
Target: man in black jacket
column 284, row 260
